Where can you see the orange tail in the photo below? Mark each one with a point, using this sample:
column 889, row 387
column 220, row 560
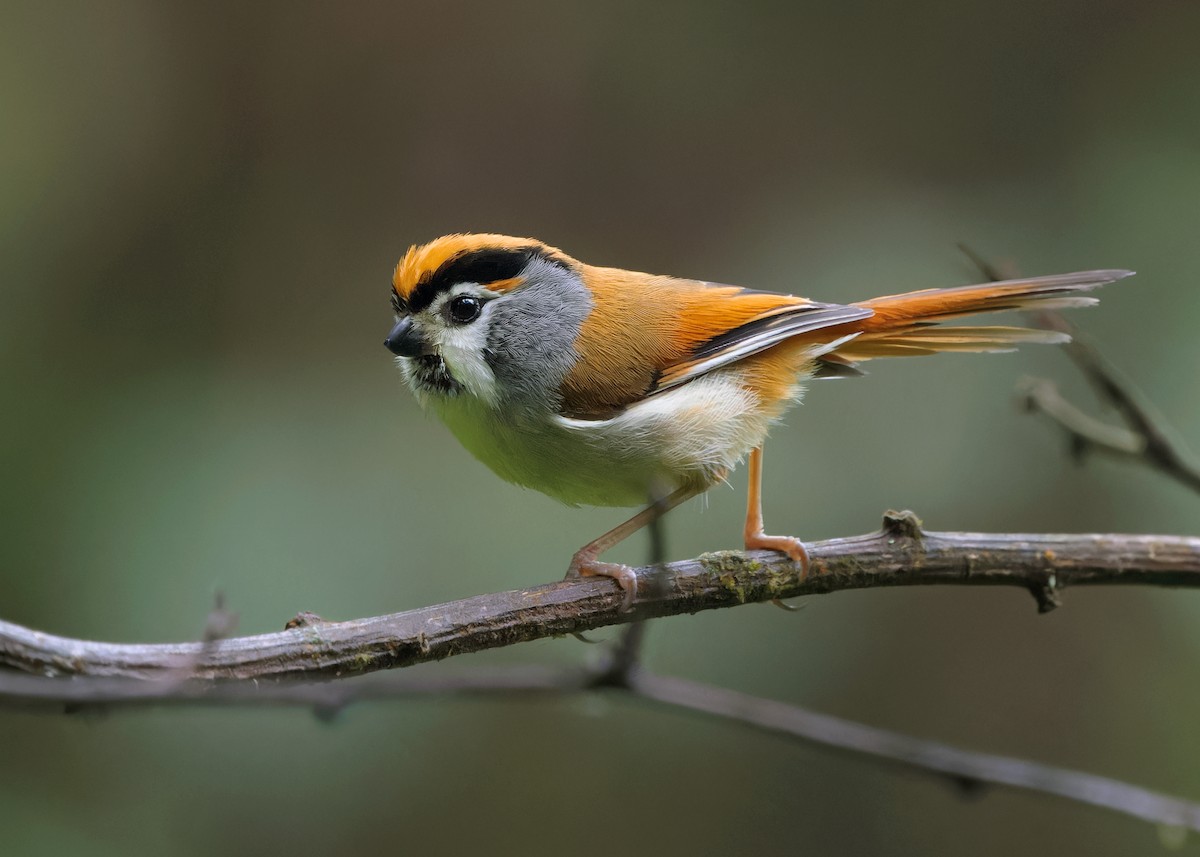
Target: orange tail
column 903, row 325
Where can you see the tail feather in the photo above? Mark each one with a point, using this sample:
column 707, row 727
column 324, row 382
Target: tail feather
column 942, row 304
column 902, row 325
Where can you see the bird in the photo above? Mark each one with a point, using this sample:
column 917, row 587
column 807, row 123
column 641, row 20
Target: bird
column 608, row 387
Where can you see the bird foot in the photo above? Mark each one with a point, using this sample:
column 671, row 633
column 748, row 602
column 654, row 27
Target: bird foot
column 626, row 577
column 789, row 545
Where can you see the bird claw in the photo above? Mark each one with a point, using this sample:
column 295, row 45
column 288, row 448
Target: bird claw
column 625, row 577
column 790, row 545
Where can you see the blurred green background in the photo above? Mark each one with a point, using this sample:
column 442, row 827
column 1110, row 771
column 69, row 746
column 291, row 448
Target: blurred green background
column 200, row 208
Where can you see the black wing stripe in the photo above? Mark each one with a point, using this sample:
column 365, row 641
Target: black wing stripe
column 803, row 317
column 759, row 335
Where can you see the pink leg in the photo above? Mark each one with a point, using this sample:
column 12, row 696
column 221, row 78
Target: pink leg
column 754, row 535
column 584, row 562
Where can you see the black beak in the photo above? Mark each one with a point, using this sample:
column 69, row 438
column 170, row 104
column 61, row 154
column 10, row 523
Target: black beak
column 405, row 340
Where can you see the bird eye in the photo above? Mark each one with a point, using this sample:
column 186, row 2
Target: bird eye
column 465, row 308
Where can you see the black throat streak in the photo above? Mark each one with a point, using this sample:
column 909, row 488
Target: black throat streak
column 431, row 374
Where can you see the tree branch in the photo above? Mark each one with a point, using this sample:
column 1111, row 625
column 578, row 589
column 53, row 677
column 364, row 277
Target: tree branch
column 39, row 670
column 964, row 769
column 1148, row 437
column 899, row 555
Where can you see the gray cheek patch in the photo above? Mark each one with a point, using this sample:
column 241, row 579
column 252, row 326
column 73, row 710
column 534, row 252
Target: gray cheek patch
column 531, row 337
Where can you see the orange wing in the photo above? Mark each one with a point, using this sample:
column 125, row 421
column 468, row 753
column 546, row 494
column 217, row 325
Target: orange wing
column 659, row 332
column 761, row 333
column 649, row 333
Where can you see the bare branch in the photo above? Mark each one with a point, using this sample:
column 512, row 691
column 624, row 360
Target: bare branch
column 900, row 555
column 1148, row 437
column 625, row 653
column 965, row 769
column 82, row 693
column 1085, row 431
column 279, row 669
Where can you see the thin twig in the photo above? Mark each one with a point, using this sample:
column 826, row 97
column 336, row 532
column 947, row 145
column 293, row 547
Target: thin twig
column 625, row 653
column 1147, row 437
column 21, row 690
column 965, row 769
column 1085, row 431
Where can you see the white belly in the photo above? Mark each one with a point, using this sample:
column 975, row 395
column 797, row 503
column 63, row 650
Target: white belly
column 691, row 435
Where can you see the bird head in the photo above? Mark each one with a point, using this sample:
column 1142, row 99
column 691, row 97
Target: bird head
column 487, row 316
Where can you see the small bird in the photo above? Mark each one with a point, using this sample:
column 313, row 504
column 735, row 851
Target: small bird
column 601, row 386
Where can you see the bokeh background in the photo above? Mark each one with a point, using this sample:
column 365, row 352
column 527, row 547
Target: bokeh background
column 200, row 208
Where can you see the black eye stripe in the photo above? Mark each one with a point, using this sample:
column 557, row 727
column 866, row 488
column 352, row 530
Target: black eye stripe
column 484, row 266
column 477, row 266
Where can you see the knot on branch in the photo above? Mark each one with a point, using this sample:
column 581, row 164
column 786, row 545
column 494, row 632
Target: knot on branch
column 303, row 619
column 1045, row 593
column 904, row 525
